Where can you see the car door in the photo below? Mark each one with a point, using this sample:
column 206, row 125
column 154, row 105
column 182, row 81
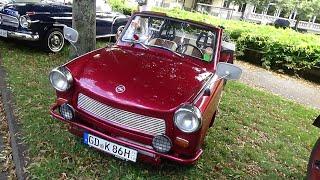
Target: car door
column 103, row 24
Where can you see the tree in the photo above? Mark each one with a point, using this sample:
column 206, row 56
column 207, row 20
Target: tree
column 316, row 7
column 84, row 21
column 253, row 2
column 305, row 9
column 262, row 3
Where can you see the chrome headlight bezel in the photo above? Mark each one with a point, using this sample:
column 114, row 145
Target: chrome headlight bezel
column 192, row 110
column 65, row 74
column 24, row 21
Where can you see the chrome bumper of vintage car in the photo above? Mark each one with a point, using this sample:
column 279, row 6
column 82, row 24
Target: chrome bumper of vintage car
column 137, row 146
column 23, row 36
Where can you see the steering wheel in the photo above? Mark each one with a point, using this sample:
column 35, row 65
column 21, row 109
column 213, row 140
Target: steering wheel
column 182, row 48
column 170, row 33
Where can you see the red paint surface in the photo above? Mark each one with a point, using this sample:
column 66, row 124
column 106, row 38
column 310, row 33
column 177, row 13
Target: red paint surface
column 157, row 82
column 313, row 169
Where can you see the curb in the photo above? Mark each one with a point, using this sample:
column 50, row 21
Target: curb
column 16, row 143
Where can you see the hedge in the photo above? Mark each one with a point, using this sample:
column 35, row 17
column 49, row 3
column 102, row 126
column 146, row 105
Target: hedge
column 120, row 6
column 283, row 49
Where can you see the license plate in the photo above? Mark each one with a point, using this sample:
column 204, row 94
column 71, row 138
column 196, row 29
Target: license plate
column 110, row 147
column 3, row 33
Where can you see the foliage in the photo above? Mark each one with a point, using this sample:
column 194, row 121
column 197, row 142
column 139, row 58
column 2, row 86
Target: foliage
column 254, row 2
column 283, row 49
column 256, row 136
column 305, row 8
column 120, row 6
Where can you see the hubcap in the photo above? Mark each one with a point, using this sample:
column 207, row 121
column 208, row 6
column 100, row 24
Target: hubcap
column 55, row 41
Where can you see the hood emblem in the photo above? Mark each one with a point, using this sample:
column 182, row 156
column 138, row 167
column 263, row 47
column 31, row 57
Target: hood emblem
column 120, row 89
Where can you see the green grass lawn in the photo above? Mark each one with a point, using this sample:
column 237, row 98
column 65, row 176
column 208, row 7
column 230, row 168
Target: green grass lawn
column 257, row 134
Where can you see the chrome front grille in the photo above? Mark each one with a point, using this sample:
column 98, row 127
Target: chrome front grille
column 8, row 20
column 149, row 125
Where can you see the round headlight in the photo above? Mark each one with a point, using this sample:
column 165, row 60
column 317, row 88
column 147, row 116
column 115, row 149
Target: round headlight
column 25, row 21
column 61, row 79
column 188, row 119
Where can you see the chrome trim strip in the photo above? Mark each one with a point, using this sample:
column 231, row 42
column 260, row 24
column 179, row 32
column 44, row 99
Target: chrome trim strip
column 61, row 18
column 145, row 124
column 209, row 82
column 107, row 35
column 42, row 13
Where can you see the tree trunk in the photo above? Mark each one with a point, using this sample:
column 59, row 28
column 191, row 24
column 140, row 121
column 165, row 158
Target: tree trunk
column 84, row 21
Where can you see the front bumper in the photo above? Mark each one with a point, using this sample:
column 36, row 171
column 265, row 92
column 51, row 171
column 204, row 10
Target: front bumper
column 22, row 36
column 151, row 154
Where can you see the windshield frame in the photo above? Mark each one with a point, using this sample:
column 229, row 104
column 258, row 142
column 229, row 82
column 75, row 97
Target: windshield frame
column 165, row 17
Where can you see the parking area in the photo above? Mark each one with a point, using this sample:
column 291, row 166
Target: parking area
column 253, row 136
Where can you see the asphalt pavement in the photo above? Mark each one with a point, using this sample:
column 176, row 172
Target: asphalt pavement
column 293, row 88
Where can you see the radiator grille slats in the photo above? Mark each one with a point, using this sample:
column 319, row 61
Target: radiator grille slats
column 149, row 125
column 8, row 20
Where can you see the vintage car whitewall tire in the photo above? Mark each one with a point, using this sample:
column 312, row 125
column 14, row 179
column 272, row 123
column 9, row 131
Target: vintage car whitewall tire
column 54, row 40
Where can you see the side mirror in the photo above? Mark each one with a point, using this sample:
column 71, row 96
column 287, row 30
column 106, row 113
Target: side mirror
column 70, row 34
column 228, row 71
column 119, row 31
column 225, row 71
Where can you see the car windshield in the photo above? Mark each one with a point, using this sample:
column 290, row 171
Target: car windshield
column 173, row 35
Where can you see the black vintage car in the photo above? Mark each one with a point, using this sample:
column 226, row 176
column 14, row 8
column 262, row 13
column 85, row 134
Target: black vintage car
column 43, row 21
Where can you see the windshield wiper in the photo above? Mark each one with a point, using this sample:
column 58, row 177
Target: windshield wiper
column 137, row 42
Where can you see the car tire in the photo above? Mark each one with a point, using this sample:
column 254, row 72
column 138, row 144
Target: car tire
column 54, row 40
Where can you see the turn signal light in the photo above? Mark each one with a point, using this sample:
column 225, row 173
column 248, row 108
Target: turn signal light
column 181, row 142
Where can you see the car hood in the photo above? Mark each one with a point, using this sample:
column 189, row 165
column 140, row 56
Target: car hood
column 150, row 80
column 15, row 9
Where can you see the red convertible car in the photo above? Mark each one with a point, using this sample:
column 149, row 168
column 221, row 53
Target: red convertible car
column 151, row 96
column 314, row 161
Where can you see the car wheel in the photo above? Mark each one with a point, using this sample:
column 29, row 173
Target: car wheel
column 54, row 40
